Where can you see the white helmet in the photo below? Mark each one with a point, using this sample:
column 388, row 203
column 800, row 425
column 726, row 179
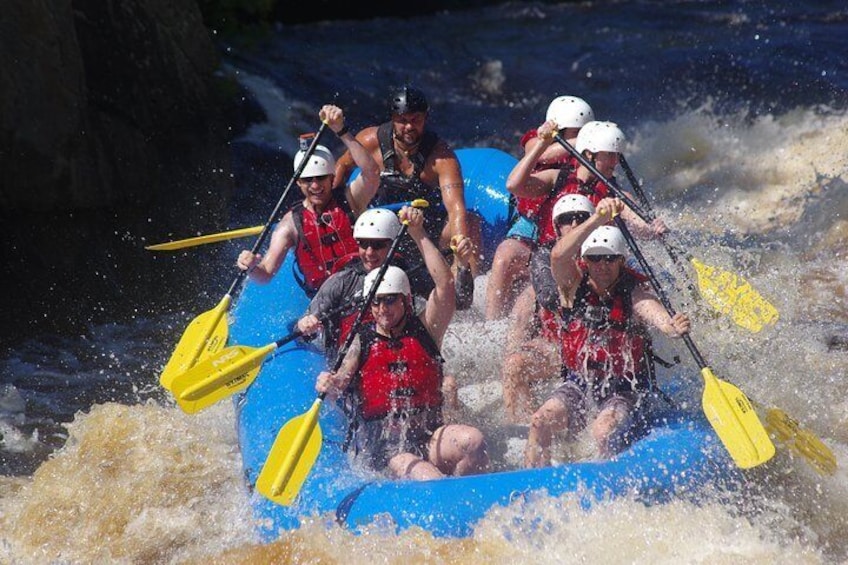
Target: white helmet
column 569, row 112
column 394, row 281
column 605, row 240
column 320, row 163
column 376, row 223
column 572, row 203
column 600, row 136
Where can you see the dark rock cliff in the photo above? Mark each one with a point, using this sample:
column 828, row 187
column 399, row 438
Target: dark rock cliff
column 115, row 122
column 113, row 134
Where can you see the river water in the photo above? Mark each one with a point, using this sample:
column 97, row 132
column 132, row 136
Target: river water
column 736, row 120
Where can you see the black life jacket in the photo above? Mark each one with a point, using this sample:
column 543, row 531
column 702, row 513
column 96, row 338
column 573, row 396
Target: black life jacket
column 397, row 187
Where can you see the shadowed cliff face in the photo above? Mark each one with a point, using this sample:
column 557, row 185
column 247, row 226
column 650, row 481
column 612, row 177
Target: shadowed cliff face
column 112, row 136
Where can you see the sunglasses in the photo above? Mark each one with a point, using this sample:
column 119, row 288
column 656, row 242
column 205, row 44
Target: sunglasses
column 375, row 244
column 306, row 181
column 569, row 218
column 605, row 258
column 386, row 299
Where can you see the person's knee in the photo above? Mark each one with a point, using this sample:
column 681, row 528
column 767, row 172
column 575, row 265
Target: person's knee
column 473, row 447
column 475, row 441
column 605, row 425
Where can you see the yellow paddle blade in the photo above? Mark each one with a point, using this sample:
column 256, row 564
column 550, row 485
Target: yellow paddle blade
column 205, row 335
column 733, row 418
column 291, row 458
column 219, row 376
column 733, row 295
column 805, row 443
column 203, row 239
column 204, row 401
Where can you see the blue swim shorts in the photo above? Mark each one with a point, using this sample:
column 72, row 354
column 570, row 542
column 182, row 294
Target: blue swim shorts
column 524, row 229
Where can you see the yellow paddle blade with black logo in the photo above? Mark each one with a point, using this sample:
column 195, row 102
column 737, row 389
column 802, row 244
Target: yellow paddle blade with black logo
column 220, row 375
column 804, row 443
column 291, row 457
column 204, row 239
column 205, row 335
column 731, row 295
column 734, row 420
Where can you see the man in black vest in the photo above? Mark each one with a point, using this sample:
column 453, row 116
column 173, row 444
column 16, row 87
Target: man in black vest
column 416, row 163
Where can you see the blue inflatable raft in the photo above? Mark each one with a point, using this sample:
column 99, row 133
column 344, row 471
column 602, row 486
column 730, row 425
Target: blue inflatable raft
column 678, row 455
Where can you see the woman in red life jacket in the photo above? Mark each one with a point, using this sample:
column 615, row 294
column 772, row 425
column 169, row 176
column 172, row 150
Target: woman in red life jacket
column 393, row 371
column 605, row 311
column 320, row 228
column 533, row 342
column 509, row 273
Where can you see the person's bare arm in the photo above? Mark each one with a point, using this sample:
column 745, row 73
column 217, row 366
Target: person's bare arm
column 336, row 383
column 345, row 164
column 449, row 172
column 441, row 303
column 554, row 153
column 263, row 268
column 648, row 307
column 639, row 227
column 522, row 181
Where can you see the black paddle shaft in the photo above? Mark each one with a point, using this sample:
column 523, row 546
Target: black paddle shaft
column 655, row 283
column 323, row 319
column 635, row 184
column 273, row 217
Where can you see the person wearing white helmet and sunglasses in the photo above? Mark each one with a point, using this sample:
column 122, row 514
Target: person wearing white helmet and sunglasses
column 509, row 273
column 338, row 300
column 393, row 375
column 607, row 362
column 532, row 346
column 320, row 227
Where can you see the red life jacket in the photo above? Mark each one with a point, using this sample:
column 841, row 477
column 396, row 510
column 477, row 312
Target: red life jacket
column 571, row 185
column 325, row 242
column 549, row 324
column 398, row 373
column 602, row 341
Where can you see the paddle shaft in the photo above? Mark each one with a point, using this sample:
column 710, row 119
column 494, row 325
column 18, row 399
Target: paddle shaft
column 634, row 183
column 643, row 198
column 655, row 284
column 273, row 217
